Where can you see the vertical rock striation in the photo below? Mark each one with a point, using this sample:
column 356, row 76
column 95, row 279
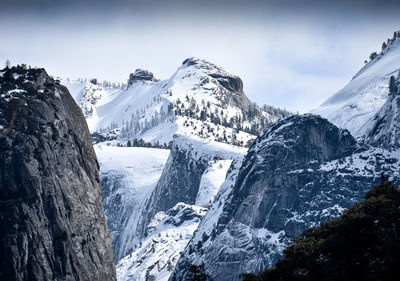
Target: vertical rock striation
column 52, row 224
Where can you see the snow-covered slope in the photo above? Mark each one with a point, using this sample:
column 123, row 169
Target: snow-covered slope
column 211, row 181
column 128, row 177
column 200, row 99
column 365, row 94
column 167, row 236
column 384, row 128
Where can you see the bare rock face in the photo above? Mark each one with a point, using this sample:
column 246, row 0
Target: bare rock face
column 52, row 223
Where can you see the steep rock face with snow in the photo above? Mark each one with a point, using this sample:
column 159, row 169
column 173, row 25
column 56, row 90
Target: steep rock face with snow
column 140, row 75
column 301, row 171
column 128, row 177
column 52, row 224
column 384, row 128
column 166, row 237
column 180, row 182
column 90, row 96
column 358, row 102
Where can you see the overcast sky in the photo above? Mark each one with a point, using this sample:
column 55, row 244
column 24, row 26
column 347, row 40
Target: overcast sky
column 291, row 54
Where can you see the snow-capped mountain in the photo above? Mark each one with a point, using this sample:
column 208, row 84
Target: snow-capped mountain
column 199, row 99
column 302, row 171
column 236, row 211
column 353, row 106
column 197, row 113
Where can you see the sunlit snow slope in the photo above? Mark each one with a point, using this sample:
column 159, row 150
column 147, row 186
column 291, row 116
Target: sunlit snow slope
column 365, row 94
column 199, row 99
column 128, row 176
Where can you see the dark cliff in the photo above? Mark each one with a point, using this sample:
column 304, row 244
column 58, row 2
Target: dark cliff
column 52, row 224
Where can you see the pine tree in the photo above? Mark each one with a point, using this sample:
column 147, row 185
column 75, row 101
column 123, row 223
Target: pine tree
column 169, row 266
column 392, row 86
column 148, row 276
column 7, row 63
column 373, row 56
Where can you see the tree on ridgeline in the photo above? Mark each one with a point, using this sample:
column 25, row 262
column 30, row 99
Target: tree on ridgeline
column 373, row 56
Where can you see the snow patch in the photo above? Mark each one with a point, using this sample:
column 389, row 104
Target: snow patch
column 211, row 181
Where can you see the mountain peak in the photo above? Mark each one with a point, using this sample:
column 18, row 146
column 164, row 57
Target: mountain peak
column 197, row 61
column 190, row 61
column 199, row 99
column 227, row 80
column 23, row 74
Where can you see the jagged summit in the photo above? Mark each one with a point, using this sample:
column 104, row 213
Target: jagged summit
column 190, row 61
column 201, row 63
column 229, row 81
column 198, row 63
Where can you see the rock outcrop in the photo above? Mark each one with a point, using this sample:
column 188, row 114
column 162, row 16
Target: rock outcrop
column 52, row 224
column 229, row 87
column 140, row 75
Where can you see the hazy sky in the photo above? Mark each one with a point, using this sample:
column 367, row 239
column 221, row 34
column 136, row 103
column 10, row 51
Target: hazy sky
column 291, row 54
